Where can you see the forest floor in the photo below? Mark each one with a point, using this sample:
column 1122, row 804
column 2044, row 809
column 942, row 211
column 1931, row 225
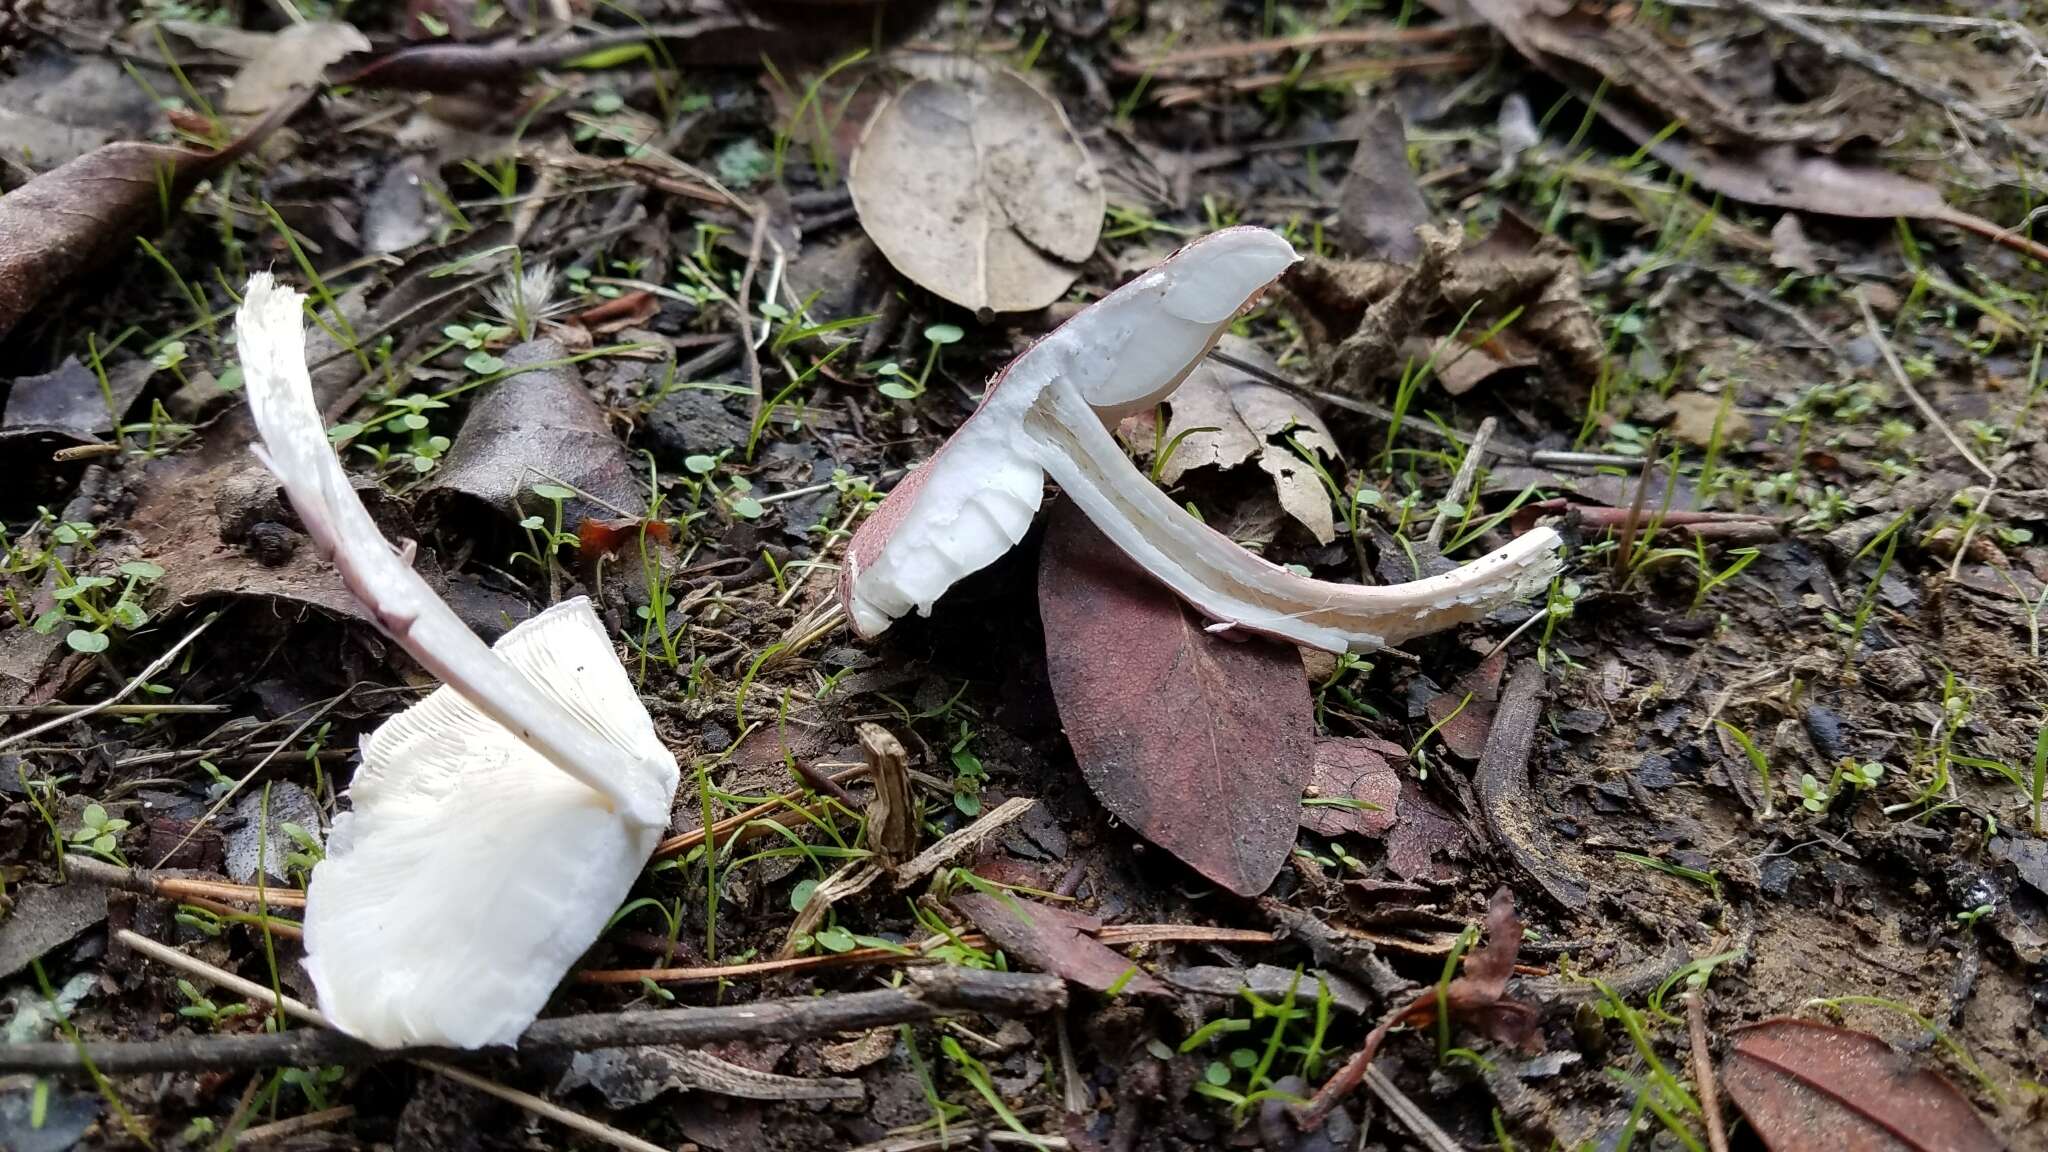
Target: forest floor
column 1741, row 298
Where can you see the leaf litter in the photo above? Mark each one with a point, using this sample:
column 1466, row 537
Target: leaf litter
column 1598, row 288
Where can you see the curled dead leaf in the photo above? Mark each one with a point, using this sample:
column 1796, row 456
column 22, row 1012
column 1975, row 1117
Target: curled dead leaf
column 73, row 218
column 977, row 190
column 1246, row 417
column 1807, row 1085
column 1477, row 999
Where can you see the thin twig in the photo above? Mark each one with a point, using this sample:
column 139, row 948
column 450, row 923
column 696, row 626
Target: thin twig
column 310, row 1122
column 113, row 709
column 927, row 994
column 1468, row 471
column 97, row 871
column 1891, row 360
column 167, row 955
column 1703, row 1071
column 1165, row 63
column 1977, row 516
column 1426, row 1131
column 952, row 845
column 155, row 666
column 742, row 307
column 260, row 765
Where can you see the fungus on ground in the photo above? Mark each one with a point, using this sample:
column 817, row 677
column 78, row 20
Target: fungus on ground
column 494, row 825
column 1049, row 413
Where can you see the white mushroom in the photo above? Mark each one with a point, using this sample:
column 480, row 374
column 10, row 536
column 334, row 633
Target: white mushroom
column 495, row 825
column 1049, row 412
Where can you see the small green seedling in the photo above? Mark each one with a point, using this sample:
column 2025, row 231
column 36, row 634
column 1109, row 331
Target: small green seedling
column 1756, row 761
column 99, row 835
column 199, row 1007
column 1813, row 795
column 901, row 385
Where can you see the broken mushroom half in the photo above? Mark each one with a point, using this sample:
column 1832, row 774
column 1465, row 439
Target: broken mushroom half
column 496, row 824
column 1049, row 413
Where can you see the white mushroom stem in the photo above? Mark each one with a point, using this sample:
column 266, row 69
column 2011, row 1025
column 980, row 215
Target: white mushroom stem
column 1232, row 586
column 270, row 338
column 1049, row 413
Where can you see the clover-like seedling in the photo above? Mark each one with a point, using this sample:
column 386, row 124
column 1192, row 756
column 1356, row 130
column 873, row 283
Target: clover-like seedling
column 496, row 823
column 1049, row 413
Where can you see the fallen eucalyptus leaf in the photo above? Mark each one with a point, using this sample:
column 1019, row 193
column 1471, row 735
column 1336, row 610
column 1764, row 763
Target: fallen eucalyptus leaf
column 977, row 190
column 1806, row 1085
column 1201, row 743
column 1058, row 940
column 74, row 217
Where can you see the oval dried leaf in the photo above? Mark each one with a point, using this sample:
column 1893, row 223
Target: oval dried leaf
column 1805, row 1085
column 1202, row 743
column 976, row 189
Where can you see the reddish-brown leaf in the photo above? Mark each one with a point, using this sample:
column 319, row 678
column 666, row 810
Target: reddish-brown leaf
column 1359, row 770
column 1057, row 940
column 1202, row 743
column 607, row 537
column 76, row 216
column 1811, row 1087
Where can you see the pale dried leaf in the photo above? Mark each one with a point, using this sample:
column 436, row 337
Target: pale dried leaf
column 1203, row 401
column 1252, row 417
column 294, row 59
column 1301, row 492
column 977, row 190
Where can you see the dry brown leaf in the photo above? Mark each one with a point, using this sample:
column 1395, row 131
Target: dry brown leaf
column 1251, row 418
column 978, row 191
column 1380, row 204
column 1809, row 1086
column 1202, row 744
column 72, row 218
column 537, row 427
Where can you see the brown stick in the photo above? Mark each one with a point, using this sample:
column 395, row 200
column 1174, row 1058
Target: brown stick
column 1331, row 38
column 1703, row 1071
column 183, row 888
column 929, row 995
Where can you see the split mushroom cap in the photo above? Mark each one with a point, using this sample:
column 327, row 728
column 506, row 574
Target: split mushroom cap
column 495, row 824
column 472, row 872
column 1049, row 413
